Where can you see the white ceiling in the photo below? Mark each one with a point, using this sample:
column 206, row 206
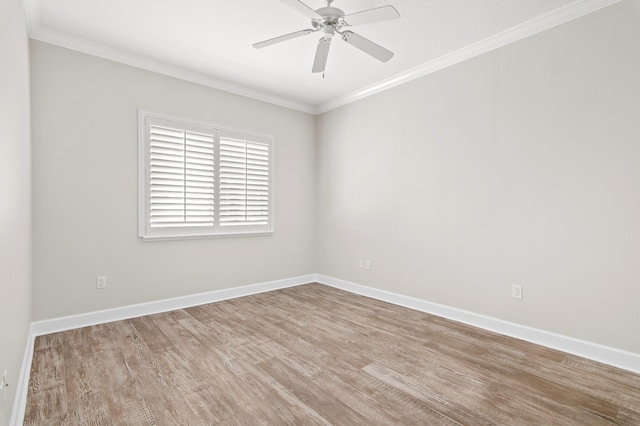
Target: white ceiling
column 210, row 41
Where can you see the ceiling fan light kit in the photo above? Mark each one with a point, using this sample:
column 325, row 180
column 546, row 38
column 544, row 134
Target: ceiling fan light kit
column 332, row 21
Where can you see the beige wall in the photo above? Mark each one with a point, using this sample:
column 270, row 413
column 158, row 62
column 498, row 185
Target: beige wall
column 15, row 197
column 521, row 166
column 85, row 188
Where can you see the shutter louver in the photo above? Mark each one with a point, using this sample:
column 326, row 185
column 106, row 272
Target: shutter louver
column 196, row 180
column 244, row 182
column 181, row 178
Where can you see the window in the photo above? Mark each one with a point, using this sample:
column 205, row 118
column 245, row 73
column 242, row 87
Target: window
column 197, row 180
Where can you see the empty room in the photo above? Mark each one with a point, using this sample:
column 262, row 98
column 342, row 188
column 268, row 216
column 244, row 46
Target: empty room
column 346, row 212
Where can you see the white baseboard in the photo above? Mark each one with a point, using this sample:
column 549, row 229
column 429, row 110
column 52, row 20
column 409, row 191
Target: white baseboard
column 22, row 388
column 55, row 325
column 132, row 311
column 615, row 357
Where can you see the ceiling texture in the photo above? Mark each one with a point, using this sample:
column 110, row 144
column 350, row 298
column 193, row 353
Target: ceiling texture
column 210, row 41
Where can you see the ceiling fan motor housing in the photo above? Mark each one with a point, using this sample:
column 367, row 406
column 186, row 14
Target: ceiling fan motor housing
column 330, row 14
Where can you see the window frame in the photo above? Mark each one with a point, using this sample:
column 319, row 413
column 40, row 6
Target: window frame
column 149, row 233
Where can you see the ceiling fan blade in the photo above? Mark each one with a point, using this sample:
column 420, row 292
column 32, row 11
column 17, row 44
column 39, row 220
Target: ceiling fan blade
column 302, row 8
column 367, row 46
column 282, row 38
column 383, row 13
column 322, row 53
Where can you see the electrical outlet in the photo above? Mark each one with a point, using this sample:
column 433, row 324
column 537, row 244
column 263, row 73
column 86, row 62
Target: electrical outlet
column 516, row 291
column 367, row 265
column 361, row 263
column 3, row 392
column 101, row 282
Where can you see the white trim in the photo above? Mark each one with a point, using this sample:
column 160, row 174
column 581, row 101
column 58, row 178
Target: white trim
column 36, row 32
column 615, row 357
column 22, row 389
column 32, row 13
column 218, row 134
column 55, row 325
column 552, row 19
column 607, row 355
column 151, row 238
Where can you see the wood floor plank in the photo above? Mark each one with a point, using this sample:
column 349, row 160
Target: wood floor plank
column 314, row 355
column 310, row 393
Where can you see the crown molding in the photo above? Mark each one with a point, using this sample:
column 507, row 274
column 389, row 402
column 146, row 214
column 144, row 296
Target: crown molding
column 552, row 19
column 37, row 32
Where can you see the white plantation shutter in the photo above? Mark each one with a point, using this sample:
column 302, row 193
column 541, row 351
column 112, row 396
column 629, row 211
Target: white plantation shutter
column 244, row 182
column 181, row 184
column 196, row 180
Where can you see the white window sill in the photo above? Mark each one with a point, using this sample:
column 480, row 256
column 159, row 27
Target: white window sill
column 151, row 238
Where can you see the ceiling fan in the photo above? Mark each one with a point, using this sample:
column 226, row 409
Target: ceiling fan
column 332, row 21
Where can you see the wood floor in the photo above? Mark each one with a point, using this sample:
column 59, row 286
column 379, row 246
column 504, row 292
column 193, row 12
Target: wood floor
column 314, row 355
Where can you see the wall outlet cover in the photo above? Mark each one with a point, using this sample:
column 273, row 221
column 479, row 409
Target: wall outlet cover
column 516, row 291
column 101, row 282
